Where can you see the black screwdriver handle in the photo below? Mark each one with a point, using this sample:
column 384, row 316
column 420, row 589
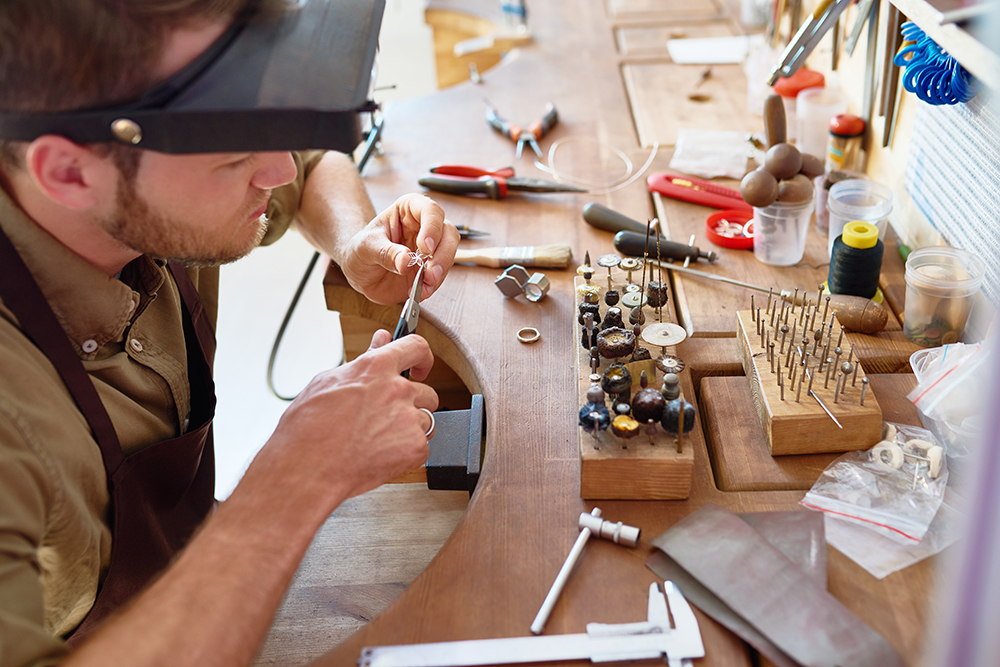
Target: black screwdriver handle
column 631, row 243
column 602, row 217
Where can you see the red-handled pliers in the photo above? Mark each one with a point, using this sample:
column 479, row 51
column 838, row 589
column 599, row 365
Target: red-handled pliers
column 459, row 179
column 536, row 131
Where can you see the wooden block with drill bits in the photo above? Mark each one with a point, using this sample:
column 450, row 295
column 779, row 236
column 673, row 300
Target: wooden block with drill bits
column 632, row 435
column 809, row 388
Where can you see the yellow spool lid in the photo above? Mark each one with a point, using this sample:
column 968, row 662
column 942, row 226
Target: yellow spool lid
column 860, row 234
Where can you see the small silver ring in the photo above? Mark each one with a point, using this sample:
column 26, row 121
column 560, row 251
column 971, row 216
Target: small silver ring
column 430, row 431
column 528, row 335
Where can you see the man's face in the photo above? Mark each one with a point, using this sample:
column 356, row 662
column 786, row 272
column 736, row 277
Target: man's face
column 202, row 209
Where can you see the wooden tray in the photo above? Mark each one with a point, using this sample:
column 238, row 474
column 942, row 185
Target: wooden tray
column 799, row 424
column 634, row 469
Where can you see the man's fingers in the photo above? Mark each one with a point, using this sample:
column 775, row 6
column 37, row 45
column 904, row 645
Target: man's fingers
column 380, row 338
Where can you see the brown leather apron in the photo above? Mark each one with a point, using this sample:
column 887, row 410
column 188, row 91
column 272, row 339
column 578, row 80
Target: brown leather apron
column 159, row 494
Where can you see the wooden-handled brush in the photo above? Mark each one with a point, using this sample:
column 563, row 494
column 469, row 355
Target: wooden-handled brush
column 555, row 256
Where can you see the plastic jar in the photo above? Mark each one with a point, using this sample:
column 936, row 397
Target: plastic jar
column 941, row 282
column 855, row 199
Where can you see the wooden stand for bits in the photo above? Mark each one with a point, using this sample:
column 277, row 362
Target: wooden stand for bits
column 639, row 470
column 802, row 426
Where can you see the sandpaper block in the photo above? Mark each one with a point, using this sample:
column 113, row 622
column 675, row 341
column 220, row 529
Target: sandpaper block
column 728, row 567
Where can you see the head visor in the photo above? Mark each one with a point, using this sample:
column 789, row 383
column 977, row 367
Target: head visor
column 290, row 80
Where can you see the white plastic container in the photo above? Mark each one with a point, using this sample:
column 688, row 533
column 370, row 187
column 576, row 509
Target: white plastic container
column 853, row 199
column 780, row 231
column 814, row 109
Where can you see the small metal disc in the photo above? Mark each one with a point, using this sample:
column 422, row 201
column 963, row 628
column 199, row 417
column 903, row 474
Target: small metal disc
column 664, row 334
column 632, row 287
column 668, row 363
column 632, row 299
column 630, row 264
column 609, row 261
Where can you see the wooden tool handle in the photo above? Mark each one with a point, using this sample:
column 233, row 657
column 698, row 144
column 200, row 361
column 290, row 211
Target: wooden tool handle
column 774, row 120
column 555, row 256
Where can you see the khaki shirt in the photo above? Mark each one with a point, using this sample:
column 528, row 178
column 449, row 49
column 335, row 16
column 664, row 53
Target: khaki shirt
column 55, row 543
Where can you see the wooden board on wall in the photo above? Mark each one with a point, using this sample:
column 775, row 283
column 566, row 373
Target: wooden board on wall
column 644, row 38
column 660, row 111
column 620, row 9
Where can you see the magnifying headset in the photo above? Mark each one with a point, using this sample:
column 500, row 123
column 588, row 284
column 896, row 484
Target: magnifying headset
column 274, row 81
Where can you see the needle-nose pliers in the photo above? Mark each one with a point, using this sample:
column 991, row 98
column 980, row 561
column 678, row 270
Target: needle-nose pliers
column 536, row 131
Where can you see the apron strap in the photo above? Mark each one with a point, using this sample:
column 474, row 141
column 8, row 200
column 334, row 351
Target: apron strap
column 196, row 311
column 25, row 299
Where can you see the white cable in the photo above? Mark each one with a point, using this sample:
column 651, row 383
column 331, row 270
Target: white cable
column 626, row 179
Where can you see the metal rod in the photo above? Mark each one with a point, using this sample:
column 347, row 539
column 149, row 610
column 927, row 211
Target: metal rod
column 864, row 390
column 770, row 290
column 836, row 392
column 825, row 409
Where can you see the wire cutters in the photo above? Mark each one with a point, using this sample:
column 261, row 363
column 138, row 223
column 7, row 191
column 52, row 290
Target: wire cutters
column 536, row 131
column 411, row 309
column 458, row 179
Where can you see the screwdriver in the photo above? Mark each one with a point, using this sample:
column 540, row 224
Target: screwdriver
column 604, row 218
column 853, row 312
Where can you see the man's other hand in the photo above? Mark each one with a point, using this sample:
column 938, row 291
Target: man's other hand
column 355, row 427
column 377, row 261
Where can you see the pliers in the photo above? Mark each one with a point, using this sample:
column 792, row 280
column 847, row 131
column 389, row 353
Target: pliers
column 411, row 311
column 458, row 179
column 536, row 131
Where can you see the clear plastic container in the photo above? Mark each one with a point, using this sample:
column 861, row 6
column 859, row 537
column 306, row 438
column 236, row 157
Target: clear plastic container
column 852, row 200
column 941, row 283
column 780, row 231
column 814, row 107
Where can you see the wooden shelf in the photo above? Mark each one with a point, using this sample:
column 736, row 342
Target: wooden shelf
column 981, row 61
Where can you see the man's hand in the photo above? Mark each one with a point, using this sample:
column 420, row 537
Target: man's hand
column 352, row 428
column 377, row 262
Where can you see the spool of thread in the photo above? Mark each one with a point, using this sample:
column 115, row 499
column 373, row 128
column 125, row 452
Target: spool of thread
column 856, row 260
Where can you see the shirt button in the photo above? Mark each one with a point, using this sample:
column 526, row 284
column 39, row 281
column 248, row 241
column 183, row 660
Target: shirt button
column 135, row 345
column 89, row 346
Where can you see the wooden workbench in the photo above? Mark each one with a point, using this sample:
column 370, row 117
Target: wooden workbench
column 601, row 62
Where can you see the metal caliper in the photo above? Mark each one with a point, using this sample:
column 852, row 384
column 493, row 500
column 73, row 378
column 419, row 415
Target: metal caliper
column 678, row 644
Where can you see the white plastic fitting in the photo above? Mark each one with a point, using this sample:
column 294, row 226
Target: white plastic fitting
column 619, row 533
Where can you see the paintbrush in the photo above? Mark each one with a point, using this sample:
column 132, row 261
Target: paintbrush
column 555, row 256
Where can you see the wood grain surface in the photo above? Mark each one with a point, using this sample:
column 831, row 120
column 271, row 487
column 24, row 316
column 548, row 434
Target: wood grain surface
column 492, row 574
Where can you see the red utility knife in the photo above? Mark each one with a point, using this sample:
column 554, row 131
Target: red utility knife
column 696, row 191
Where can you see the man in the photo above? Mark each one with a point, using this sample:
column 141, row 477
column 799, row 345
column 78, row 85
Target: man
column 105, row 349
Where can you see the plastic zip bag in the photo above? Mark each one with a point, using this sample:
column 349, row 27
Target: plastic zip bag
column 952, row 383
column 890, row 489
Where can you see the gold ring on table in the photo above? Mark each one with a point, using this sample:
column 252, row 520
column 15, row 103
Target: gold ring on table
column 430, row 431
column 528, row 335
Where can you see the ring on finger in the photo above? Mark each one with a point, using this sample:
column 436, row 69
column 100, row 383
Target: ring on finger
column 430, row 430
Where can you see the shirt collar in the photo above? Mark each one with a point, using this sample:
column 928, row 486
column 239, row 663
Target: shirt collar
column 92, row 307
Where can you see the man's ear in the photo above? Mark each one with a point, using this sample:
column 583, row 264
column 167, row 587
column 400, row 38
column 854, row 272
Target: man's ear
column 68, row 173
